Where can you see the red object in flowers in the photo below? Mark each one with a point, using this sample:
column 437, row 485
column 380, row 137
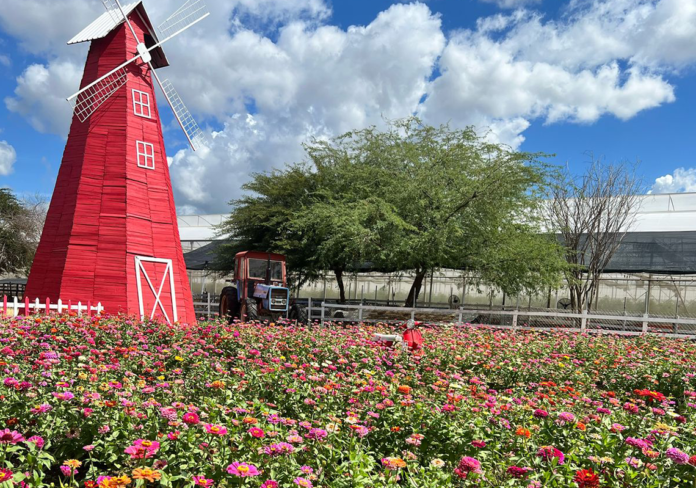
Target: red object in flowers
column 111, row 232
column 412, row 336
column 586, row 478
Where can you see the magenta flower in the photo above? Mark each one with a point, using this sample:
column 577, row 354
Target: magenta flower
column 10, row 437
column 278, row 449
column 467, row 465
column 256, row 432
column 518, row 472
column 191, row 418
column 270, row 484
column 677, row 456
column 304, row 483
column 548, row 453
column 38, row 441
column 142, row 449
column 215, row 429
column 243, row 469
column 202, row 481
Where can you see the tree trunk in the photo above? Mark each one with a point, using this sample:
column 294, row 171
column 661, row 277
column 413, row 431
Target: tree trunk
column 415, row 288
column 341, row 288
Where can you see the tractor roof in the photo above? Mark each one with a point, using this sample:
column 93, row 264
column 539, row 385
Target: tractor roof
column 260, row 255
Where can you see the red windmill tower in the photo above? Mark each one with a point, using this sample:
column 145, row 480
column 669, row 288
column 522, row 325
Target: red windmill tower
column 111, row 233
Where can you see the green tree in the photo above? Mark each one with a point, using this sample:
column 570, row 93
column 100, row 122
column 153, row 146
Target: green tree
column 443, row 198
column 20, row 229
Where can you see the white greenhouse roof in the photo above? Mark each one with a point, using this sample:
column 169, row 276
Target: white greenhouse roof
column 101, row 27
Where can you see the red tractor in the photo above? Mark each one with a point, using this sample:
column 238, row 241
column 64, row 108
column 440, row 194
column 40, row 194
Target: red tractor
column 259, row 289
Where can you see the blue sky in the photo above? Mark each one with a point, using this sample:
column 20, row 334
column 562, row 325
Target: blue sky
column 569, row 78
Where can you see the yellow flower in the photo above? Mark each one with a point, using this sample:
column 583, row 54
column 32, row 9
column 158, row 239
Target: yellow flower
column 178, row 358
column 73, row 463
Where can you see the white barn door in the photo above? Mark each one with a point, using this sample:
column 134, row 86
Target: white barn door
column 158, row 296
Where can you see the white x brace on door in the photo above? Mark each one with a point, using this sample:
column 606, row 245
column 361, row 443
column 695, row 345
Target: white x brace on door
column 141, row 272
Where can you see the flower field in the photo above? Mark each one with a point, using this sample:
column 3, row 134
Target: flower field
column 107, row 402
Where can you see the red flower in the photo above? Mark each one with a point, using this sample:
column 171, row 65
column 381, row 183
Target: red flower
column 586, row 478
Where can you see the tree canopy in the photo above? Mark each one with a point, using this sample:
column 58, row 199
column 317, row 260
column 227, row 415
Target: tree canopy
column 20, row 229
column 410, row 197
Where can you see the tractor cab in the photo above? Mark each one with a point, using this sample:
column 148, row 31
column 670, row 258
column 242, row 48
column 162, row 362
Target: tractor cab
column 259, row 289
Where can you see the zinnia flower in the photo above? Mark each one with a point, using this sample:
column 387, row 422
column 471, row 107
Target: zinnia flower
column 5, row 475
column 677, row 456
column 257, row 432
column 467, row 465
column 304, row 483
column 215, row 429
column 518, row 472
column 270, row 484
column 146, row 474
column 393, row 463
column 549, row 453
column 586, row 478
column 10, row 437
column 243, row 469
column 191, row 418
column 202, row 481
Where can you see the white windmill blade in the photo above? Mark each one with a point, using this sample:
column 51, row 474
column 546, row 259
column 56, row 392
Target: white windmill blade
column 112, row 7
column 190, row 13
column 193, row 133
column 89, row 99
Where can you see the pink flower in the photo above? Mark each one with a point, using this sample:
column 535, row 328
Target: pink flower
column 479, row 444
column 550, row 452
column 304, row 483
column 256, row 432
column 202, row 481
column 41, row 408
column 89, row 447
column 38, row 441
column 306, row 469
column 68, row 471
column 243, row 469
column 467, row 465
column 191, row 418
column 270, row 484
column 215, row 429
column 10, row 437
column 142, row 449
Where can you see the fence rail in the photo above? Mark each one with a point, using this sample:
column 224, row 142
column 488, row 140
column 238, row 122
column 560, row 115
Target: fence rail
column 12, row 308
column 551, row 319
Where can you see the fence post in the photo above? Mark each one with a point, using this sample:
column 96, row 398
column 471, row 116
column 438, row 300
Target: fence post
column 37, row 306
column 413, row 314
column 79, row 309
column 309, row 311
column 322, row 313
column 360, row 311
column 208, row 306
column 99, row 308
column 60, row 306
column 48, row 306
column 15, row 306
column 460, row 318
column 26, row 306
column 645, row 323
column 514, row 319
column 583, row 323
column 4, row 306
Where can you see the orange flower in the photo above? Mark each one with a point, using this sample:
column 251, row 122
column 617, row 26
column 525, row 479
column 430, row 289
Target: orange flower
column 217, row 384
column 404, row 389
column 396, row 429
column 249, row 420
column 581, row 426
column 146, row 474
column 522, row 432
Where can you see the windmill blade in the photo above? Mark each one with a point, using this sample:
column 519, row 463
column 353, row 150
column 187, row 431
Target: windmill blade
column 90, row 98
column 112, row 7
column 191, row 12
column 183, row 116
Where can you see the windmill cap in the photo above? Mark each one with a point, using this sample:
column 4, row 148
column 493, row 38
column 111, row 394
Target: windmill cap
column 103, row 25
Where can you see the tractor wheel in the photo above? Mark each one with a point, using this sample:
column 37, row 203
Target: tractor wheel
column 249, row 312
column 298, row 313
column 229, row 304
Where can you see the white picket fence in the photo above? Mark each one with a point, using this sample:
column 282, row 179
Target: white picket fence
column 12, row 308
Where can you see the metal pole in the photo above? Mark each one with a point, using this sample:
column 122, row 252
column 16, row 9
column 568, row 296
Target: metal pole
column 309, row 310
column 432, row 275
column 322, row 313
column 647, row 296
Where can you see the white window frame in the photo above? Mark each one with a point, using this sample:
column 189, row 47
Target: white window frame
column 146, row 154
column 139, row 105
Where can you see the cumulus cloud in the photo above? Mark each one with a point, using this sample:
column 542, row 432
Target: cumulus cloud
column 682, row 180
column 512, row 3
column 273, row 73
column 40, row 95
column 8, row 156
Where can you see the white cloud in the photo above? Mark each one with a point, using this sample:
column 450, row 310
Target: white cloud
column 40, row 95
column 5, row 61
column 512, row 3
column 8, row 156
column 682, row 180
